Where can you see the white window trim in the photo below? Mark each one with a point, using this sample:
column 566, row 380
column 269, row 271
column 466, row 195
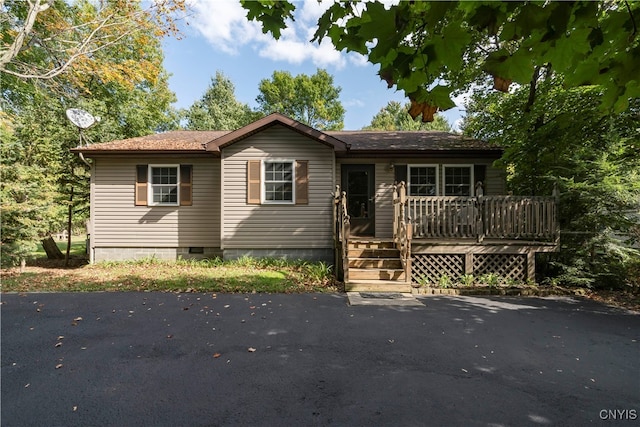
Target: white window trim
column 150, row 184
column 435, row 166
column 263, row 182
column 454, row 165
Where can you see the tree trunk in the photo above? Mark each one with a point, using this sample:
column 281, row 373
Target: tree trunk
column 52, row 250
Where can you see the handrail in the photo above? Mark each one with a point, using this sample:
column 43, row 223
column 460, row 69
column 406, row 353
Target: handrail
column 402, row 228
column 342, row 231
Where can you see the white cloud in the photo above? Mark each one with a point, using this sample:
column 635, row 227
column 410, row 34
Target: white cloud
column 225, row 26
column 311, row 10
column 354, row 103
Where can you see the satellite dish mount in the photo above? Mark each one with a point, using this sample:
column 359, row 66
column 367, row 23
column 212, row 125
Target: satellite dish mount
column 82, row 120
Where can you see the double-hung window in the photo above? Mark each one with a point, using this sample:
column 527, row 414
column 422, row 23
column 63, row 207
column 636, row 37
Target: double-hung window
column 278, row 181
column 458, row 180
column 164, row 185
column 423, row 180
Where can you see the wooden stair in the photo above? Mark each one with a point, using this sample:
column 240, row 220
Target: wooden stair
column 375, row 266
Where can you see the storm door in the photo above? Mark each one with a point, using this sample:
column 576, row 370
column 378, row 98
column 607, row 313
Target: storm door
column 359, row 183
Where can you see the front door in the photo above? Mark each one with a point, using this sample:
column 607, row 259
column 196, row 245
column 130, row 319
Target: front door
column 359, row 183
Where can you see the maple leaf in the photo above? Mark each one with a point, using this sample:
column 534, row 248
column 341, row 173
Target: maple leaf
column 422, row 108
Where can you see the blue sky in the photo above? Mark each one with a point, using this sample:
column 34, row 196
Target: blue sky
column 219, row 37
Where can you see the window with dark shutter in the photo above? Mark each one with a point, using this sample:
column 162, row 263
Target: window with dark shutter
column 164, row 185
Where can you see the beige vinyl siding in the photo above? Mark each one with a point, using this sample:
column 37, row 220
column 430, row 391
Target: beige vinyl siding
column 385, row 178
column 496, row 184
column 275, row 226
column 118, row 223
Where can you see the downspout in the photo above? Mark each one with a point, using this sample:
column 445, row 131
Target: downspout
column 86, row 162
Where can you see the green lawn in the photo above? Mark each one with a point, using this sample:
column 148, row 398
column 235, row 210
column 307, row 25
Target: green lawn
column 243, row 275
column 78, row 248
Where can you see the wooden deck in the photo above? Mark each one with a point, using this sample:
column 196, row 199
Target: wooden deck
column 448, row 236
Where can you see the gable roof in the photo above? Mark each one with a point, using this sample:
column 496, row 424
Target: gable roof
column 272, row 120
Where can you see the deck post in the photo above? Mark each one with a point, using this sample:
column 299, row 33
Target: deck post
column 531, row 266
column 468, row 263
column 556, row 196
column 395, row 212
column 407, row 260
column 480, row 224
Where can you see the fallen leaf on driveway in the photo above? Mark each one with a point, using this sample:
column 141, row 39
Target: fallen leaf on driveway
column 216, row 355
column 58, row 344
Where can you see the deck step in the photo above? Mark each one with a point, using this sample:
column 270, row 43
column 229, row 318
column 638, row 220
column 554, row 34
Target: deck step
column 371, row 244
column 376, row 274
column 373, row 253
column 375, row 263
column 377, row 286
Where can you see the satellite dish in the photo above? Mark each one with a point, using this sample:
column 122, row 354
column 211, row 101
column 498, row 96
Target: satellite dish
column 81, row 118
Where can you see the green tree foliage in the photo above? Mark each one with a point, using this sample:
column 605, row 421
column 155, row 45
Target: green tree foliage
column 562, row 139
column 26, row 194
column 218, row 109
column 313, row 100
column 123, row 82
column 394, row 117
column 429, row 49
column 43, row 39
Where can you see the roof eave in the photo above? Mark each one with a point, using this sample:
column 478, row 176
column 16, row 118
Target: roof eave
column 146, row 153
column 459, row 153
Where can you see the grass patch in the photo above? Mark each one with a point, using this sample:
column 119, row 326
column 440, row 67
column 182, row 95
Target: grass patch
column 239, row 276
column 78, row 248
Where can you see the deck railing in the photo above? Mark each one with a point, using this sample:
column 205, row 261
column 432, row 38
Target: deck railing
column 492, row 217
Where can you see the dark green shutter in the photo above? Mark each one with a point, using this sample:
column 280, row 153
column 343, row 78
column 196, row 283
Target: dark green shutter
column 400, row 172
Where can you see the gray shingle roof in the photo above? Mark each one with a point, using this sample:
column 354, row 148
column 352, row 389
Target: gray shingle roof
column 408, row 141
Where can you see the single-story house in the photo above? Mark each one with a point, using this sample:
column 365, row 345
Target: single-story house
column 389, row 207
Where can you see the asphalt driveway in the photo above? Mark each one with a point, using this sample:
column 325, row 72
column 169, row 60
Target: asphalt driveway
column 164, row 359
